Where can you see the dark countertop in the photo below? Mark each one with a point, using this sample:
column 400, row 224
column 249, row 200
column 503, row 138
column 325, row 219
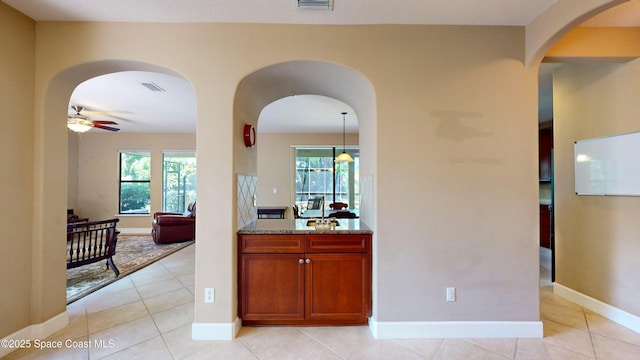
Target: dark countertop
column 299, row 226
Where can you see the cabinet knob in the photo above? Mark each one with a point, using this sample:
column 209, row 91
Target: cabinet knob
column 301, row 261
column 308, row 261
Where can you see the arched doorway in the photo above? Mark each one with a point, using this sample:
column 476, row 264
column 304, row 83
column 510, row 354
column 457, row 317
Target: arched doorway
column 586, row 63
column 52, row 155
column 264, row 86
column 269, row 84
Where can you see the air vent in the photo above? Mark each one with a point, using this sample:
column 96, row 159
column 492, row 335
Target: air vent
column 152, row 86
column 314, row 4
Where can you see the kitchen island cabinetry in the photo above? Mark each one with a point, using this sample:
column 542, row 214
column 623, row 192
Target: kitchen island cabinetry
column 318, row 278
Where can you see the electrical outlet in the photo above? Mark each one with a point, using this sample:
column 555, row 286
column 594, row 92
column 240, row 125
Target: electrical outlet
column 451, row 294
column 209, row 295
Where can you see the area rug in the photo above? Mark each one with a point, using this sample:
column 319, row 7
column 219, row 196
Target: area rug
column 133, row 252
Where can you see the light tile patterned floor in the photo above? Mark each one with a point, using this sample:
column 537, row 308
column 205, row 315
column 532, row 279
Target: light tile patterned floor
column 148, row 315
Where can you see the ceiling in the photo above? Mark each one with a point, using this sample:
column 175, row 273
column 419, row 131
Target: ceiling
column 137, row 109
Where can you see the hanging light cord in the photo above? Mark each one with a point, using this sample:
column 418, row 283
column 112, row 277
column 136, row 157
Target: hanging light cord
column 343, row 130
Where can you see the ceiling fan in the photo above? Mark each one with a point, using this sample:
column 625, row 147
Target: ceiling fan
column 81, row 123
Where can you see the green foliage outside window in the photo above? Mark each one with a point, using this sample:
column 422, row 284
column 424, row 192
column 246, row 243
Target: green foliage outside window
column 179, row 181
column 135, row 182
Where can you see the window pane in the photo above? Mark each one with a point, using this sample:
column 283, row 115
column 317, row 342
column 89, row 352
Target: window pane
column 179, row 180
column 135, row 182
column 135, row 197
column 135, row 166
column 315, row 177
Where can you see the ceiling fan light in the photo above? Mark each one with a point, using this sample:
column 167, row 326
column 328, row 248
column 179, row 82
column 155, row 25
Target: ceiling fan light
column 79, row 123
column 344, row 157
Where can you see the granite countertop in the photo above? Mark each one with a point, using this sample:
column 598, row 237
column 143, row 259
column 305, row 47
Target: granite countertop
column 299, row 226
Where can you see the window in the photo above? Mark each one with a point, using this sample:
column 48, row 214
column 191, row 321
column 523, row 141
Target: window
column 317, row 175
column 135, row 182
column 178, row 180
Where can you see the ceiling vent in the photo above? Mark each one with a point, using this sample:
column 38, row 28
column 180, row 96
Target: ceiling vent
column 152, row 86
column 314, row 4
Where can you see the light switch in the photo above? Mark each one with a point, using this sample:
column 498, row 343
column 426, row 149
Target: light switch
column 451, row 294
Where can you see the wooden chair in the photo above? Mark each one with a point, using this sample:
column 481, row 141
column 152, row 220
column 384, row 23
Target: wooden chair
column 343, row 215
column 338, row 205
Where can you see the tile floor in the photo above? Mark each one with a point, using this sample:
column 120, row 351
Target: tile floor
column 148, row 315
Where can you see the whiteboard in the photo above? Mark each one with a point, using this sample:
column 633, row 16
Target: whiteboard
column 608, row 165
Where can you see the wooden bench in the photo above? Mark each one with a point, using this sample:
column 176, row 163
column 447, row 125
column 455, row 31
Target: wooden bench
column 90, row 242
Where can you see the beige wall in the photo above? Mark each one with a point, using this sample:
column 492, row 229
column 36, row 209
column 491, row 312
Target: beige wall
column 457, row 102
column 72, row 171
column 98, row 172
column 275, row 163
column 16, row 146
column 459, row 210
column 596, row 236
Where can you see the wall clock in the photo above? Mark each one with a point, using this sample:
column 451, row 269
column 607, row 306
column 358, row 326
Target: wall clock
column 249, row 135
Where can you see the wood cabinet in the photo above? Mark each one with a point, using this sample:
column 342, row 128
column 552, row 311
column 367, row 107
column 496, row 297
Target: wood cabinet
column 311, row 279
column 545, row 226
column 545, row 145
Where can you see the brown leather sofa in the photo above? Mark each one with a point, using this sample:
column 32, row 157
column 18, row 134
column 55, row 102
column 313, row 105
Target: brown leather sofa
column 174, row 227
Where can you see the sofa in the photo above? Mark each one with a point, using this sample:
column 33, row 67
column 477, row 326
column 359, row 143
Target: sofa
column 169, row 227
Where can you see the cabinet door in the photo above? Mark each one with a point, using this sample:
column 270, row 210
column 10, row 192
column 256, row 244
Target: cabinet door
column 544, row 146
column 271, row 287
column 545, row 226
column 338, row 287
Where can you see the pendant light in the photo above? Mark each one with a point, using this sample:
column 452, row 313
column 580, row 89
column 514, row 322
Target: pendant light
column 343, row 157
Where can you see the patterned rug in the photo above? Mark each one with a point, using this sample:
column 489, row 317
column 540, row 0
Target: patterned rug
column 133, row 252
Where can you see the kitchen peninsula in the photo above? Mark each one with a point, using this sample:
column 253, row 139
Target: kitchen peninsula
column 289, row 273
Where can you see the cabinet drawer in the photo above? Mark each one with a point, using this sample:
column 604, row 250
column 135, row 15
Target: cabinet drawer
column 271, row 244
column 336, row 243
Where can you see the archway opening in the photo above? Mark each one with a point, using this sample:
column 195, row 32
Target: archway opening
column 53, row 154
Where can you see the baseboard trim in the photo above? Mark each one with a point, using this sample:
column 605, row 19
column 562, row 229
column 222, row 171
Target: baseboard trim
column 215, row 331
column 610, row 312
column 455, row 329
column 135, row 231
column 37, row 331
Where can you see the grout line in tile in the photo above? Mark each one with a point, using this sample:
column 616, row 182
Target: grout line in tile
column 319, row 342
column 438, row 349
column 470, row 341
column 246, row 346
column 413, row 351
column 593, row 346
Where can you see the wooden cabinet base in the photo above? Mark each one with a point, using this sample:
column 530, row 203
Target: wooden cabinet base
column 312, row 280
column 304, row 322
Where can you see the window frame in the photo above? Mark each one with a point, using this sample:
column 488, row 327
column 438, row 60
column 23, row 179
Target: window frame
column 334, row 194
column 146, row 153
column 187, row 199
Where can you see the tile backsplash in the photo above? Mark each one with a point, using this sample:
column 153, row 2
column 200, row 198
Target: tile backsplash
column 247, row 190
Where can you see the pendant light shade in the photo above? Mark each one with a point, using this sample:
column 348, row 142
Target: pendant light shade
column 343, row 157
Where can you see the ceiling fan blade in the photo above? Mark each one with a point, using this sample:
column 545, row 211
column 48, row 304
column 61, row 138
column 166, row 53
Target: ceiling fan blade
column 104, row 122
column 98, row 126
